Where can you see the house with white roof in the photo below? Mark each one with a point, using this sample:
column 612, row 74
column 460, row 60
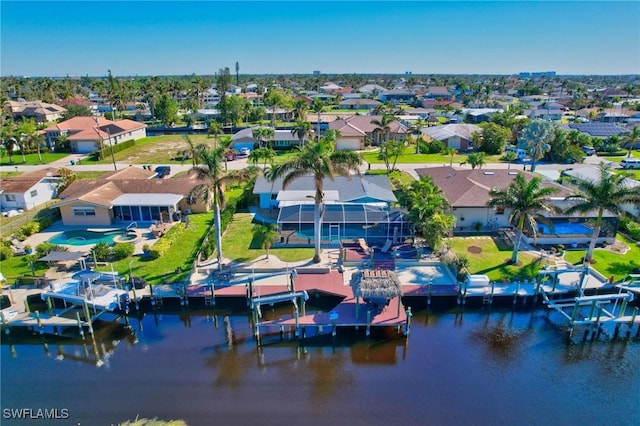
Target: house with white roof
column 283, row 138
column 458, row 136
column 355, row 207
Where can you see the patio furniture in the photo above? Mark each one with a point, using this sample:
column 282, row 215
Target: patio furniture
column 363, row 245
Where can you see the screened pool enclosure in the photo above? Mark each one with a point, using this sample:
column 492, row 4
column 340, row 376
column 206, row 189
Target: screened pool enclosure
column 345, row 222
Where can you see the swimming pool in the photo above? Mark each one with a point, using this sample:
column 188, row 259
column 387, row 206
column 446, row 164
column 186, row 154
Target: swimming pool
column 82, row 237
column 565, row 228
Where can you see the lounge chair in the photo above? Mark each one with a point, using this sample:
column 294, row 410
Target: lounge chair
column 387, row 245
column 363, row 245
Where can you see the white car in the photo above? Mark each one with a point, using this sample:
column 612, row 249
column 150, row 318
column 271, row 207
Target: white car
column 244, row 152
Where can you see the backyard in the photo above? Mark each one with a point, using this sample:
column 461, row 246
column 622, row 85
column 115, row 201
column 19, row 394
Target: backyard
column 490, row 256
column 609, row 262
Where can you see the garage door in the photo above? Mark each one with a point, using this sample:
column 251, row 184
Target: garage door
column 348, row 144
column 85, row 147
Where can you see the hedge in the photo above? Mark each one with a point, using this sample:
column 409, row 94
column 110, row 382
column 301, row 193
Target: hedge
column 161, row 247
column 97, row 155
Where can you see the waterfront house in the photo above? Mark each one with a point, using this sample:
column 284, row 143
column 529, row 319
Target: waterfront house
column 29, row 190
column 86, row 134
column 360, row 103
column 468, row 194
column 355, row 207
column 282, row 139
column 126, row 196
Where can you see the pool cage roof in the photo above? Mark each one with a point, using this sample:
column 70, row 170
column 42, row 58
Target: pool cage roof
column 364, row 214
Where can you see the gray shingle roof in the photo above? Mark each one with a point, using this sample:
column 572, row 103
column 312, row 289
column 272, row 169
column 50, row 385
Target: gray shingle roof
column 376, row 187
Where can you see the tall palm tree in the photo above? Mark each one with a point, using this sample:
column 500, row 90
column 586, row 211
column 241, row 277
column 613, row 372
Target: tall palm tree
column 317, row 106
column 536, row 139
column 631, row 139
column 525, row 199
column 211, row 191
column 450, row 152
column 263, row 135
column 320, row 159
column 300, row 108
column 383, row 128
column 300, row 129
column 608, row 192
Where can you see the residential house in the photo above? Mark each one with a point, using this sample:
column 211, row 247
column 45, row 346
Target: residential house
column 458, row 136
column 29, row 190
column 78, row 101
column 479, row 115
column 42, row 112
column 355, row 207
column 438, row 92
column 467, row 191
column 282, row 139
column 129, row 195
column 359, row 104
column 330, row 87
column 371, row 89
column 599, row 130
column 356, row 130
column 396, row 96
column 592, row 174
column 85, row 134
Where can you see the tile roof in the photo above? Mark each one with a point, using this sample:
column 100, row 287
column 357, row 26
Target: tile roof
column 129, row 173
column 103, row 191
column 470, row 188
column 22, row 183
column 449, row 130
column 89, row 128
column 363, row 125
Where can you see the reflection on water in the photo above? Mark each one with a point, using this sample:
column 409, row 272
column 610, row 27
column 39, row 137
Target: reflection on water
column 482, row 367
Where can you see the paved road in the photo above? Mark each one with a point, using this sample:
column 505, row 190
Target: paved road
column 242, row 163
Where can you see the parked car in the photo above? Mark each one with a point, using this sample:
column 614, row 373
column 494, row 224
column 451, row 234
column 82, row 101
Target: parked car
column 589, row 150
column 162, row 171
column 244, row 152
column 231, row 156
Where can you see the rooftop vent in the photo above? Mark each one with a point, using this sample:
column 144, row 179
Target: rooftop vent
column 489, row 173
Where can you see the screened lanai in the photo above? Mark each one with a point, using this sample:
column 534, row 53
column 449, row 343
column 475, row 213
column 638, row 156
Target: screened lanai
column 345, row 222
column 146, row 207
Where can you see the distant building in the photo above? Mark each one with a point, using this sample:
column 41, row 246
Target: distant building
column 40, row 111
column 316, row 72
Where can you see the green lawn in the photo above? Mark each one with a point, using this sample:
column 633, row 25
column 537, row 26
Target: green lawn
column 633, row 174
column 30, row 159
column 487, row 258
column 411, row 157
column 609, row 263
column 397, row 177
column 18, row 266
column 240, row 245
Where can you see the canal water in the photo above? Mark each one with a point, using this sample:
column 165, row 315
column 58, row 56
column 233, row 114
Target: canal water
column 478, row 367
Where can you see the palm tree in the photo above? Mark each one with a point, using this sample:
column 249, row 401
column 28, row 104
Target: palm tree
column 191, row 151
column 263, row 135
column 475, row 159
column 510, row 156
column 320, row 159
column 608, row 192
column 300, row 129
column 536, row 138
column 525, row 199
column 266, row 234
column 631, row 139
column 212, row 190
column 266, row 154
column 450, row 152
column 317, row 106
column 382, row 128
column 300, row 108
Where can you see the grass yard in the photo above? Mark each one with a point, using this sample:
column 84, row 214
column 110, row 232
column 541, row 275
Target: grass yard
column 609, row 263
column 489, row 258
column 18, row 266
column 155, row 150
column 31, row 159
column 176, row 264
column 240, row 245
column 411, row 157
column 396, row 177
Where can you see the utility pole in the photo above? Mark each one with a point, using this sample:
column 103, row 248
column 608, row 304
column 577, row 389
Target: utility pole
column 113, row 157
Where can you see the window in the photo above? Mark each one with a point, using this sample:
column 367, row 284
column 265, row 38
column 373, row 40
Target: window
column 499, row 210
column 34, row 193
column 83, row 211
column 10, row 197
column 274, row 196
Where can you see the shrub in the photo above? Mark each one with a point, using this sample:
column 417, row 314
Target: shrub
column 161, row 247
column 122, row 251
column 46, row 248
column 5, row 252
column 30, row 228
column 101, row 252
column 97, row 155
column 436, row 147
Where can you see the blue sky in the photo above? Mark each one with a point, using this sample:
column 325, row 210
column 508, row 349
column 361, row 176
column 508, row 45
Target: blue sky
column 55, row 38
